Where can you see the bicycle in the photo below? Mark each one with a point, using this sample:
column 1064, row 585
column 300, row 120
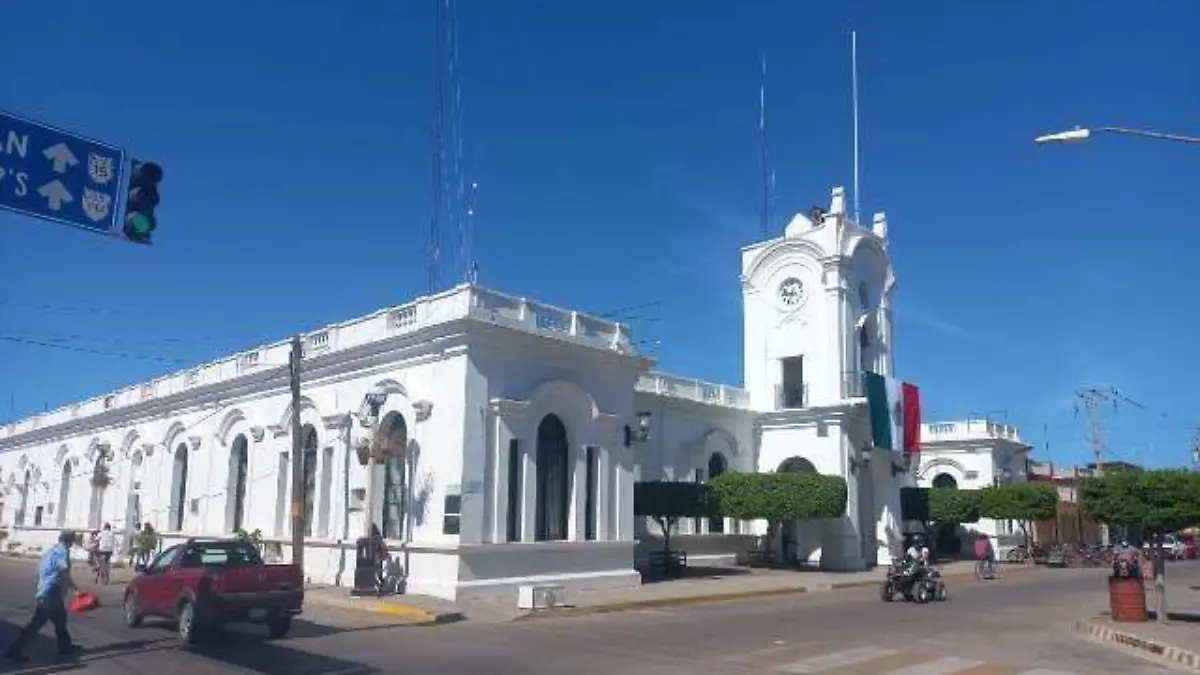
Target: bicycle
column 103, row 568
column 986, row 570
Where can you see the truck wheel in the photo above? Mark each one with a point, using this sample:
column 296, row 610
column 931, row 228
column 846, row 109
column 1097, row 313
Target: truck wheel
column 133, row 617
column 278, row 626
column 189, row 631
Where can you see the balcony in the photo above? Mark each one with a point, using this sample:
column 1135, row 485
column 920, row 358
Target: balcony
column 791, row 397
column 674, row 386
column 969, row 430
column 852, row 384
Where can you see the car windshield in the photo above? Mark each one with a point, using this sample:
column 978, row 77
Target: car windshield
column 221, row 554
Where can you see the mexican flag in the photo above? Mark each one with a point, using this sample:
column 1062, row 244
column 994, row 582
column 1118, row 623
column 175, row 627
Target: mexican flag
column 895, row 409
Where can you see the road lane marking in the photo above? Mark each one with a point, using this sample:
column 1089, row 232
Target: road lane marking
column 847, row 657
column 943, row 666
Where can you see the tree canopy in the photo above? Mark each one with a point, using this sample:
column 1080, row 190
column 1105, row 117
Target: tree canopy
column 942, row 505
column 778, row 497
column 668, row 501
column 1019, row 501
column 1162, row 500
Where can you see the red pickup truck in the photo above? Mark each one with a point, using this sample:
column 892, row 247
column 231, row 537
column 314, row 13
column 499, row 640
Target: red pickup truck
column 203, row 583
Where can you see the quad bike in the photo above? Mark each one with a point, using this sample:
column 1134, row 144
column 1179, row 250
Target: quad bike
column 917, row 583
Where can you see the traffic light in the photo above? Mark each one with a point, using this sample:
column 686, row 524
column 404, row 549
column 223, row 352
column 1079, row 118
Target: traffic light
column 143, row 197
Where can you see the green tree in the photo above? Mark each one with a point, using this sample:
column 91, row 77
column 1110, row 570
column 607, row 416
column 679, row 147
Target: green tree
column 941, row 505
column 778, row 497
column 667, row 501
column 1158, row 502
column 1022, row 502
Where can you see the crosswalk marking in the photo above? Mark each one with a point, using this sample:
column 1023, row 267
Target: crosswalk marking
column 848, row 657
column 944, row 666
column 826, row 659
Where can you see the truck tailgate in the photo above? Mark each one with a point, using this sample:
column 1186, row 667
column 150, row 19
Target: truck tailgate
column 260, row 579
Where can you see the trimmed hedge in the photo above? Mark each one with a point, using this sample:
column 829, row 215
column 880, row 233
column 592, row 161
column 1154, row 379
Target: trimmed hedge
column 942, row 505
column 779, row 497
column 668, row 501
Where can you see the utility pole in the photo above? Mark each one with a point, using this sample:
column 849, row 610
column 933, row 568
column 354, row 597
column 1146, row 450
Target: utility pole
column 294, row 361
column 1092, row 400
column 1196, row 450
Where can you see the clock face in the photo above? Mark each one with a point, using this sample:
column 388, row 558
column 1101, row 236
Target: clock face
column 792, row 293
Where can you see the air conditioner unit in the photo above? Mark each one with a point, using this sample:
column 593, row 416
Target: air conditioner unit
column 540, row 597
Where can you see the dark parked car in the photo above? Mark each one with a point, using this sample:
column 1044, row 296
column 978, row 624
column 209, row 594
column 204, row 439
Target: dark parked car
column 204, row 583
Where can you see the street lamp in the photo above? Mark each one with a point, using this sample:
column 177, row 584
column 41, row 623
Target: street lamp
column 1080, row 134
column 860, row 459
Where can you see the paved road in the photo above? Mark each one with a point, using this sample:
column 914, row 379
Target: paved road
column 1017, row 625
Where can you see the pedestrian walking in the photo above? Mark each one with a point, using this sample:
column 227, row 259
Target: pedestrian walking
column 53, row 583
column 106, row 542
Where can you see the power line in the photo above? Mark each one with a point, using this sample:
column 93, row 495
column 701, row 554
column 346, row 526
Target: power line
column 76, row 337
column 96, row 352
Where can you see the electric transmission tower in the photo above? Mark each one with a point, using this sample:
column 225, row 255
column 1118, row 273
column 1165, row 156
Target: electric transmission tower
column 1094, row 401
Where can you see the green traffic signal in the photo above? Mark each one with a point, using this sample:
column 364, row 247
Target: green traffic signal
column 141, row 200
column 138, row 227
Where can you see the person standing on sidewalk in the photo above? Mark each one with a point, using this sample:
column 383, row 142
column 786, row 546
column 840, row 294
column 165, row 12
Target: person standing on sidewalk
column 53, row 583
column 106, row 542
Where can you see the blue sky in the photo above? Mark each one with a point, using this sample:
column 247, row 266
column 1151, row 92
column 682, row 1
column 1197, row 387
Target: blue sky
column 614, row 147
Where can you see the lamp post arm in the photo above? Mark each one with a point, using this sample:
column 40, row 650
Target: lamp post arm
column 1150, row 134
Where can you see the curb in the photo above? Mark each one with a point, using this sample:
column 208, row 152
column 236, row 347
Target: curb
column 408, row 614
column 677, row 601
column 1101, row 632
column 714, row 598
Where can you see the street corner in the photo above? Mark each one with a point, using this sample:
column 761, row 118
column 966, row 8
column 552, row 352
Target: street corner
column 396, row 610
column 1147, row 640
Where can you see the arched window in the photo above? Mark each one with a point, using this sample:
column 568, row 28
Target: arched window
column 64, row 493
column 309, row 434
column 394, row 445
column 100, row 478
column 944, row 480
column 553, row 480
column 235, row 491
column 864, row 345
column 797, row 465
column 716, row 467
column 179, row 491
column 864, row 299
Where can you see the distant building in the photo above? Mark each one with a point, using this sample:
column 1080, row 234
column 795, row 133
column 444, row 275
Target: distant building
column 1071, row 525
column 972, row 454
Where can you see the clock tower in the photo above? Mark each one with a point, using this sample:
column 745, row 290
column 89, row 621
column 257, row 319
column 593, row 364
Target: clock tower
column 817, row 311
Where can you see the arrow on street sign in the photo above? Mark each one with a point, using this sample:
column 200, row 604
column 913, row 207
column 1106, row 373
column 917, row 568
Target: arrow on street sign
column 61, row 157
column 55, row 193
column 60, row 176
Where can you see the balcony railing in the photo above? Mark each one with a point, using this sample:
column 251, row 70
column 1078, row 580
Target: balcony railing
column 791, row 397
column 696, row 390
column 852, row 384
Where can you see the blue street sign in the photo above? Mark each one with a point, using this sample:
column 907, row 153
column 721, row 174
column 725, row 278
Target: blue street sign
column 56, row 175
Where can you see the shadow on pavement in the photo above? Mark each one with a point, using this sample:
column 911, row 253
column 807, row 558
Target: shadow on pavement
column 41, row 651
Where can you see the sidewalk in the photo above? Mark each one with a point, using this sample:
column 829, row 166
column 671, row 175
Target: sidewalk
column 1162, row 642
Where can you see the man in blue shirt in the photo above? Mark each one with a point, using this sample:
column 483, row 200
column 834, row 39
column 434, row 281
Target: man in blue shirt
column 54, row 582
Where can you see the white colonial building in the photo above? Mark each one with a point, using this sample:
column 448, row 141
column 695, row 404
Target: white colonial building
column 512, row 426
column 973, row 454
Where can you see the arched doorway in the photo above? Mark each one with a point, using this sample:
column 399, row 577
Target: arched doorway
column 25, row 485
column 798, row 540
column 717, row 466
column 946, row 540
column 394, row 446
column 64, row 493
column 309, row 457
column 133, row 502
column 239, row 464
column 179, row 491
column 944, row 480
column 553, row 480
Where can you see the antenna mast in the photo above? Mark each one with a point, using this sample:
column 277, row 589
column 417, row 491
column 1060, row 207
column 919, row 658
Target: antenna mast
column 439, row 95
column 765, row 214
column 854, row 104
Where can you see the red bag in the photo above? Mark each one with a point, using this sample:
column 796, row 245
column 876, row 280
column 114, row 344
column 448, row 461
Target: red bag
column 84, row 602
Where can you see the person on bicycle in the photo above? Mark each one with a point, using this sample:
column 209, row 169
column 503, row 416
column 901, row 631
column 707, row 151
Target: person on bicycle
column 986, row 554
column 92, row 547
column 106, row 542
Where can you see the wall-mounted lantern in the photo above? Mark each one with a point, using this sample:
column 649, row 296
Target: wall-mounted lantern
column 860, row 459
column 642, row 433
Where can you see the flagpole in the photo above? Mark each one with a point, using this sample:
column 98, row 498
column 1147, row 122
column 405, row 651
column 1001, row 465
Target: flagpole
column 854, row 99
